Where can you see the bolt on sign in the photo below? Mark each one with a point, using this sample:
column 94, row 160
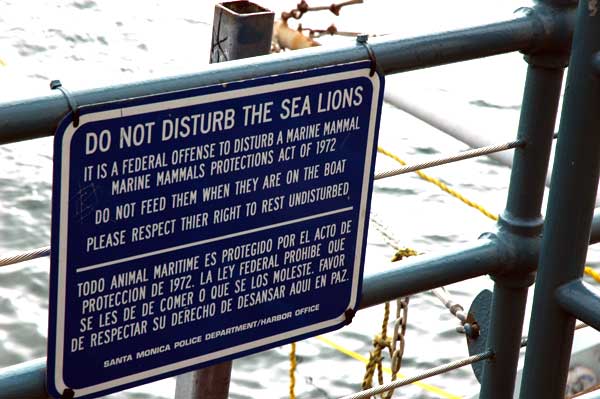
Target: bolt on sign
column 197, row 226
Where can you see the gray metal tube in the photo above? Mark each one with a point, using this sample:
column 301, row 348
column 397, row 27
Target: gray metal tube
column 241, row 29
column 569, row 216
column 521, row 219
column 536, row 129
column 506, row 324
column 38, row 117
column 595, row 236
column 431, row 271
column 207, row 383
column 24, row 380
column 581, row 300
column 28, row 380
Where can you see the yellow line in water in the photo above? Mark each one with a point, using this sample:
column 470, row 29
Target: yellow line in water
column 359, row 357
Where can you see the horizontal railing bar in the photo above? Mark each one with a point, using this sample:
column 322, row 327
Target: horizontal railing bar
column 425, row 272
column 45, row 251
column 38, row 117
column 24, row 380
column 580, row 300
column 414, row 275
column 421, row 274
column 461, row 156
column 461, row 263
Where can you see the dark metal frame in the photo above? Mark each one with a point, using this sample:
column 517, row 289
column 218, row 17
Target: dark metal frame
column 511, row 254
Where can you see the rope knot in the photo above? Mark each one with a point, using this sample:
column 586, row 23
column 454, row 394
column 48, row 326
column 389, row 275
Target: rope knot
column 382, row 342
column 402, row 253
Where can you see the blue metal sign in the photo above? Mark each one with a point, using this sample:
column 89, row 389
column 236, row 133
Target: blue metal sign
column 202, row 225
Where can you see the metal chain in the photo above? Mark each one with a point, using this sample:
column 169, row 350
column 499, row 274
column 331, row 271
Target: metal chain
column 303, row 7
column 398, row 340
column 444, row 296
column 331, row 30
column 432, row 372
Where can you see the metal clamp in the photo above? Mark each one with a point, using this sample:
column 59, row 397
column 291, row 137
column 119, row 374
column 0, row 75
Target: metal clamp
column 349, row 314
column 55, row 84
column 363, row 39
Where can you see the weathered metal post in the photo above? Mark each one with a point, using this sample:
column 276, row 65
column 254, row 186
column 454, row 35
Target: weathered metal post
column 521, row 222
column 569, row 214
column 241, row 29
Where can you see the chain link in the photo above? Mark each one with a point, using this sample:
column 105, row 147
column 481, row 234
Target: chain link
column 397, row 342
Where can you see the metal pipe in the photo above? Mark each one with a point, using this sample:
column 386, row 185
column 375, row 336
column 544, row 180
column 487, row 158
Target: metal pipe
column 506, row 325
column 569, row 215
column 45, row 251
column 580, row 300
column 241, row 29
column 595, row 236
column 426, row 272
column 415, row 275
column 38, row 117
column 207, row 383
column 521, row 219
column 24, row 380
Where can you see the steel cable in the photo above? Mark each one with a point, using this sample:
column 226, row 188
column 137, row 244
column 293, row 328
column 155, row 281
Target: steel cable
column 429, row 373
column 25, row 256
column 450, row 158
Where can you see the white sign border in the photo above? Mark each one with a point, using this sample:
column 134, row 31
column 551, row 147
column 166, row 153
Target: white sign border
column 179, row 103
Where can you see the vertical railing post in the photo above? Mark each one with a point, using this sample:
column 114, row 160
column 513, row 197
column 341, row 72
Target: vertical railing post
column 521, row 222
column 569, row 215
column 241, row 29
column 208, row 383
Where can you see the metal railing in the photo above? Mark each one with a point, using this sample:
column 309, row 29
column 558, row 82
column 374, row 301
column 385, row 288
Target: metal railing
column 513, row 253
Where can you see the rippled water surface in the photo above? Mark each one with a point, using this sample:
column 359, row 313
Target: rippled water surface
column 89, row 44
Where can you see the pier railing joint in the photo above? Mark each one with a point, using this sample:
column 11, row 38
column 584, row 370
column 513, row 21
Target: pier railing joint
column 555, row 25
column 519, row 243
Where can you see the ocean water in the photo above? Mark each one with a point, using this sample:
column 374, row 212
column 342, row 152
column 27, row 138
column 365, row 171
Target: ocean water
column 91, row 44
